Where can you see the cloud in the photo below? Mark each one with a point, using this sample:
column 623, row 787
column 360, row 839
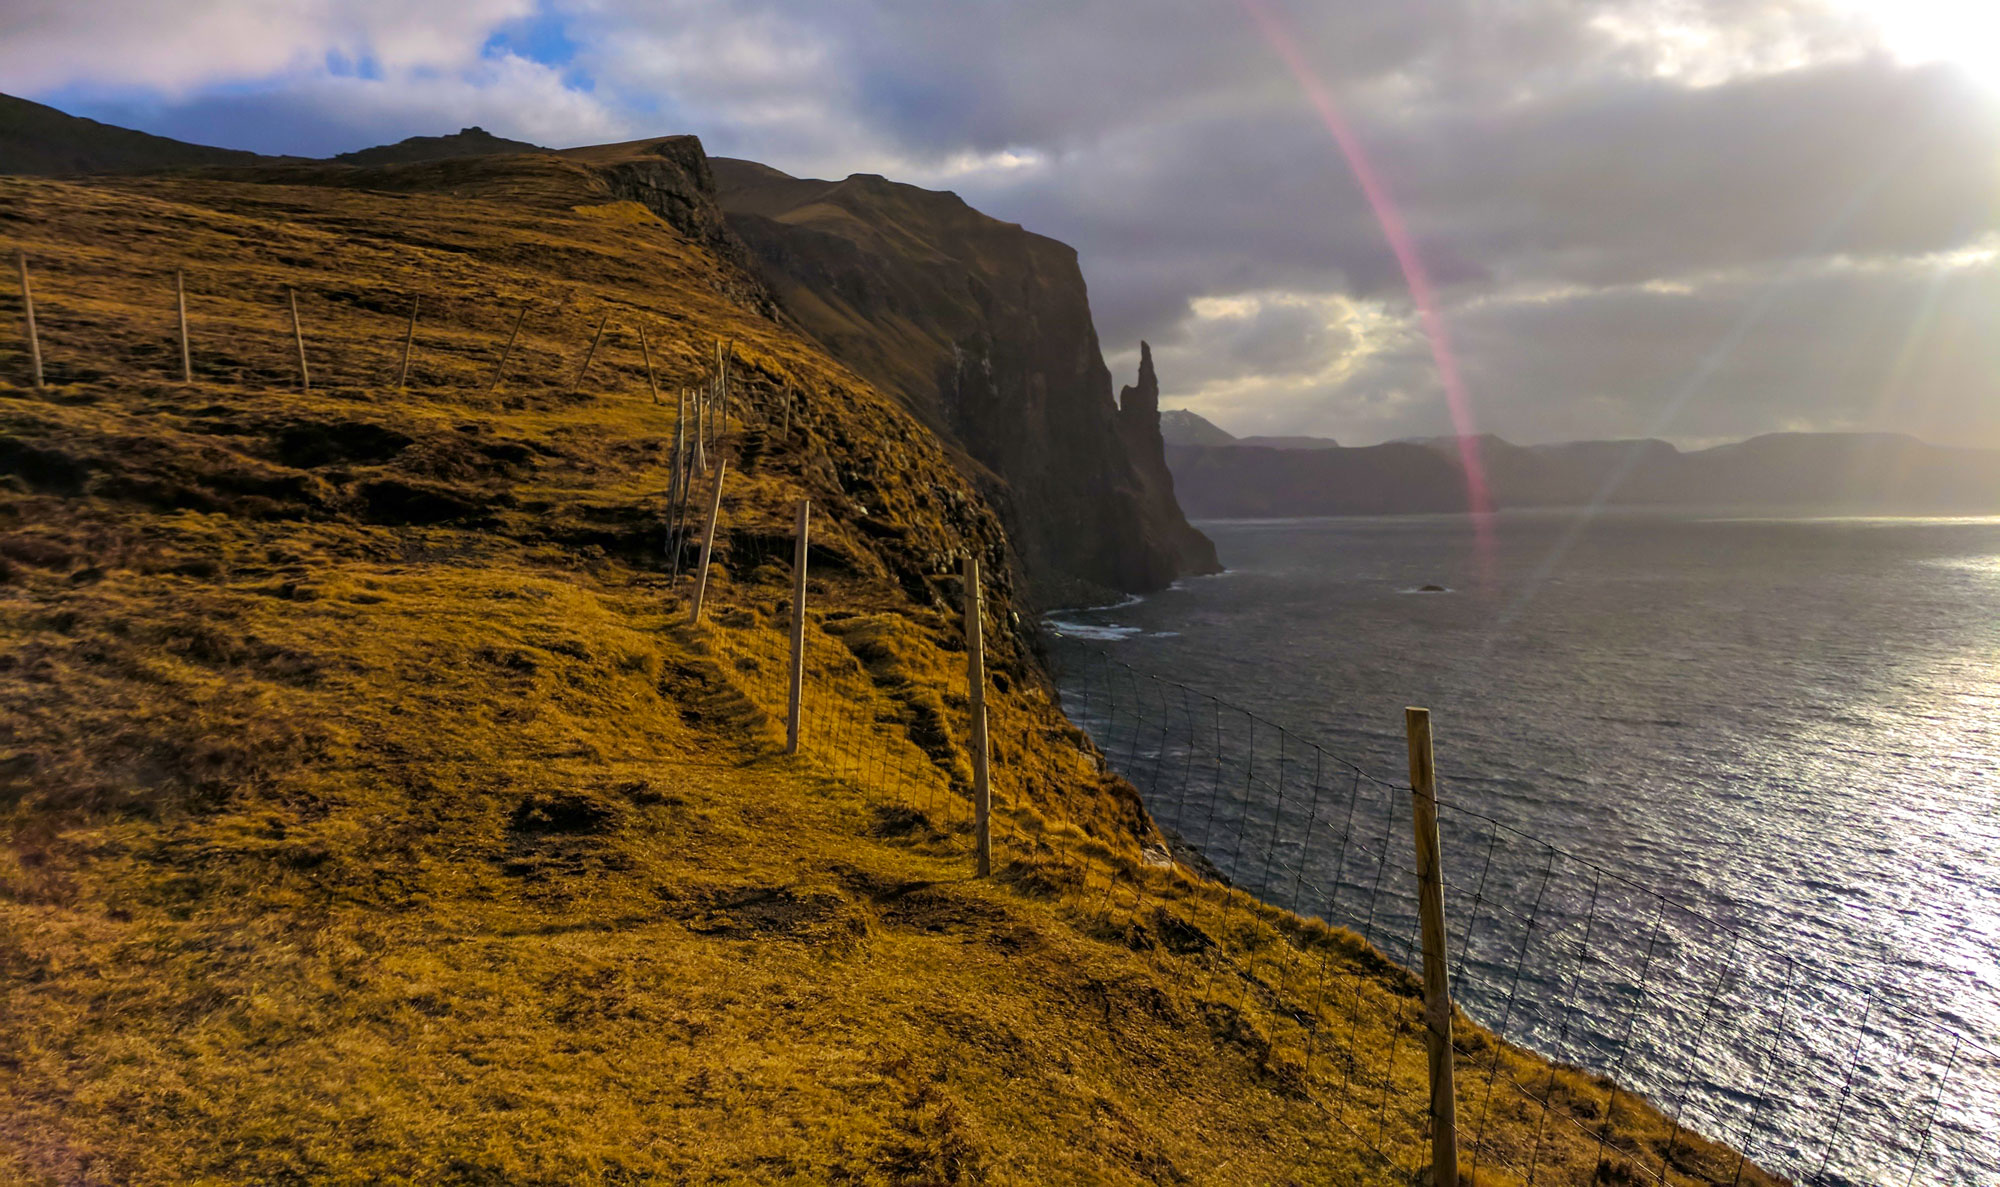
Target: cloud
column 1603, row 192
column 174, row 49
column 322, row 113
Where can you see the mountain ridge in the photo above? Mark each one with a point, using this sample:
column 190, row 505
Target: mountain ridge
column 1831, row 471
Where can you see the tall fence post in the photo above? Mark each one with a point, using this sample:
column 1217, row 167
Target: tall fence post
column 181, row 302
column 975, row 680
column 1437, row 983
column 708, row 541
column 28, row 304
column 798, row 629
column 409, row 341
column 299, row 337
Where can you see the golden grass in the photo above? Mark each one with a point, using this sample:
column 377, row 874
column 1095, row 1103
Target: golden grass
column 370, row 812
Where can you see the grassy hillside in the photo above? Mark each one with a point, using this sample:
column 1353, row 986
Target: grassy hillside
column 369, row 811
column 38, row 139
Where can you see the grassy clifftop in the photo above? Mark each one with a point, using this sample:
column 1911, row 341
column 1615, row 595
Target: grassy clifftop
column 370, row 812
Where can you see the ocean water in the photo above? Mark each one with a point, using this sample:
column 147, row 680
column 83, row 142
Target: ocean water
column 1723, row 793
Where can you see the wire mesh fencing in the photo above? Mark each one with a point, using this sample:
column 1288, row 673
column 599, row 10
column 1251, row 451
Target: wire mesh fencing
column 1685, row 1049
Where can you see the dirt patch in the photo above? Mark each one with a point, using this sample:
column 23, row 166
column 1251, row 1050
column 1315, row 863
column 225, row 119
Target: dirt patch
column 306, row 446
column 926, row 906
column 394, row 501
column 562, row 813
column 747, row 912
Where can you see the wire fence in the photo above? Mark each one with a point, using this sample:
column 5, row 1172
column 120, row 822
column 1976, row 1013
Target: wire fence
column 1805, row 1069
column 1727, row 1036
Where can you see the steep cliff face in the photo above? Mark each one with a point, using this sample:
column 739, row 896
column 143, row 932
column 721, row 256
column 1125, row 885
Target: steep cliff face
column 984, row 331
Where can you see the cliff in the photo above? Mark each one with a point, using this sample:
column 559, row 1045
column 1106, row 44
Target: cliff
column 984, row 331
column 371, row 810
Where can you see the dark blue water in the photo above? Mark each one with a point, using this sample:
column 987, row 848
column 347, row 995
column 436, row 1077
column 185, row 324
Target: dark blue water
column 1789, row 727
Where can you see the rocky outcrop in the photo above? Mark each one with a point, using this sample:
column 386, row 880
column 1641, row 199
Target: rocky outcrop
column 984, row 331
column 466, row 142
column 1139, row 429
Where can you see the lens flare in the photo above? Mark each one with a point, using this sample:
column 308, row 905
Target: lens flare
column 1285, row 44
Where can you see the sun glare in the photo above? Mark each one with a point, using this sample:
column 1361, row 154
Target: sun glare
column 1965, row 32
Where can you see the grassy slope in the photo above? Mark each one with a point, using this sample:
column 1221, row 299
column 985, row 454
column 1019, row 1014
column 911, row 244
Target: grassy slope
column 368, row 811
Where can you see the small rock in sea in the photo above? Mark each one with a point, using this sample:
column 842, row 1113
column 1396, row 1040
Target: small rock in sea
column 1432, row 589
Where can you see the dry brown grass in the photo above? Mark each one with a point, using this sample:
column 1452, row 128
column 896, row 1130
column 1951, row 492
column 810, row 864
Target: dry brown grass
column 368, row 811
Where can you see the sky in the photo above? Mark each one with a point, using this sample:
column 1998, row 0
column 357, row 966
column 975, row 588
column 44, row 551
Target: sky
column 1692, row 219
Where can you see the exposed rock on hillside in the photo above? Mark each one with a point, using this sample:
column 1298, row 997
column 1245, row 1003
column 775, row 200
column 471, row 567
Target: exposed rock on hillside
column 984, row 330
column 466, row 142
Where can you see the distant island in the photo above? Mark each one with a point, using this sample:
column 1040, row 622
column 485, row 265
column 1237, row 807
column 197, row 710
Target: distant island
column 1220, row 476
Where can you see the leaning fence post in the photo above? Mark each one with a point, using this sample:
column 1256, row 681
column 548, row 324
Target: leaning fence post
column 500, row 368
column 798, row 628
column 181, row 300
column 28, row 303
column 1437, row 984
column 591, row 353
column 647, row 350
column 975, row 679
column 409, row 340
column 299, row 337
column 708, row 542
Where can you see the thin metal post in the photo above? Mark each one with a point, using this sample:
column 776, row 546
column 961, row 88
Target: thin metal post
column 708, row 543
column 1437, row 984
column 592, row 352
column 798, row 628
column 181, row 300
column 500, row 368
column 28, row 303
column 299, row 338
column 409, row 340
column 975, row 678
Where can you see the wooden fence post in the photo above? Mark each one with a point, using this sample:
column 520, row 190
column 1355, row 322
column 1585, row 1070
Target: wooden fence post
column 591, row 353
column 181, row 301
column 299, row 337
column 409, row 340
column 975, row 679
column 708, row 542
column 676, row 489
column 28, row 303
column 500, row 368
column 646, row 349
column 700, row 431
column 798, row 628
column 1437, row 983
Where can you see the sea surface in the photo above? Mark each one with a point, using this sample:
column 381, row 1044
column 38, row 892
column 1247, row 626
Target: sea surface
column 1736, row 775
